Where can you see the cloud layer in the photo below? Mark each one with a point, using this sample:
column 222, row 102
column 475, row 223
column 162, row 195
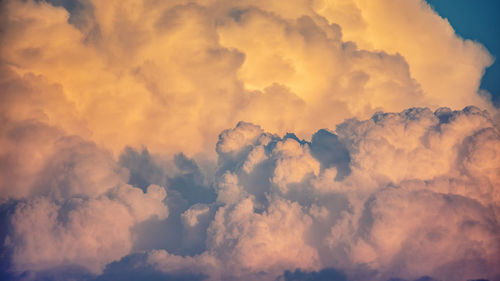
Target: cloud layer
column 144, row 73
column 279, row 207
column 362, row 148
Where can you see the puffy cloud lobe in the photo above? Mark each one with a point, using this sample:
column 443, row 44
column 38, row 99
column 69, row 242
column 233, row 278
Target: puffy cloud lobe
column 479, row 153
column 33, row 97
column 38, row 159
column 413, row 30
column 195, row 221
column 191, row 216
column 198, row 264
column 442, row 235
column 73, row 206
column 417, row 144
column 246, row 241
column 229, row 191
column 294, row 163
column 85, row 232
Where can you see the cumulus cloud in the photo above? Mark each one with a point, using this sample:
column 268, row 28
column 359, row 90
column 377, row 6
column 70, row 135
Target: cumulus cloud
column 74, row 207
column 89, row 233
column 132, row 73
column 38, row 159
column 288, row 211
column 412, row 29
column 246, row 241
column 362, row 149
column 70, row 202
column 378, row 221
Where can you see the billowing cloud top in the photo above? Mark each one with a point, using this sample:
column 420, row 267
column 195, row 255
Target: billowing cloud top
column 172, row 75
column 244, row 140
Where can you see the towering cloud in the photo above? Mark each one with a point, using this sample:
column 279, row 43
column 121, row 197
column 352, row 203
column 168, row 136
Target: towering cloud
column 133, row 73
column 244, row 140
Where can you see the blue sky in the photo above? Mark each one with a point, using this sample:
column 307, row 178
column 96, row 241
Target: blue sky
column 477, row 20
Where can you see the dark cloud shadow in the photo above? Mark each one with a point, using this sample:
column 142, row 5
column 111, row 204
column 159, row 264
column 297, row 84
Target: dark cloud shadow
column 189, row 182
column 327, row 274
column 330, row 152
column 143, row 170
column 6, row 210
column 134, row 268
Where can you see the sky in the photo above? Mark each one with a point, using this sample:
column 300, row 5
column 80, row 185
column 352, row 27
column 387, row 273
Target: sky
column 477, row 20
column 249, row 140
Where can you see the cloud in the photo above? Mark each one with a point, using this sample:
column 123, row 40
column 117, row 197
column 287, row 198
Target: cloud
column 246, row 241
column 71, row 204
column 38, row 159
column 288, row 211
column 134, row 73
column 390, row 221
column 426, row 41
column 89, row 233
column 361, row 151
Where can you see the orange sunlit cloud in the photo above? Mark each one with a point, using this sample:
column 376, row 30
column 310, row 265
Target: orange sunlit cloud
column 245, row 140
